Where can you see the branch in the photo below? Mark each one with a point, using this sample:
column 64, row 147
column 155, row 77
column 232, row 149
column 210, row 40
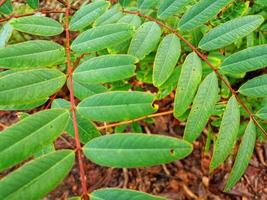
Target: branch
column 135, row 120
column 73, row 108
column 204, row 58
column 29, row 14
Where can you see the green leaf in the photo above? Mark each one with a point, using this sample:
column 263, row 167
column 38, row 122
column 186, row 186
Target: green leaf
column 169, row 7
column 256, row 87
column 124, row 3
column 202, row 108
column 87, row 130
column 82, row 90
column 167, row 56
column 37, row 25
column 35, row 53
column 87, row 14
column 5, row 34
column 227, row 135
column 145, row 40
column 117, row 106
column 147, row 4
column 48, row 149
column 262, row 113
column 38, row 177
column 19, row 105
column 247, row 60
column 102, row 37
column 201, row 12
column 6, row 8
column 34, row 4
column 30, row 135
column 135, row 150
column 229, row 32
column 29, row 85
column 109, row 17
column 121, row 194
column 107, row 68
column 243, row 157
column 189, row 80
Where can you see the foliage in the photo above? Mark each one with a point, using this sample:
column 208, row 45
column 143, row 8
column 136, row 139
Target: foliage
column 123, row 58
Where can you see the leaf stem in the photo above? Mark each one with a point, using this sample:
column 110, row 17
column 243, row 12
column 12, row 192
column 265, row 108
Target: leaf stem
column 205, row 59
column 73, row 107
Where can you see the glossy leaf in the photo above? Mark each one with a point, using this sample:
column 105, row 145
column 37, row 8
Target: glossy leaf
column 256, row 87
column 117, row 106
column 202, row 108
column 201, row 12
column 243, row 157
column 227, row 33
column 87, row 130
column 169, row 7
column 34, row 4
column 167, row 56
column 145, row 40
column 37, row 25
column 87, row 14
column 107, row 68
column 247, row 60
column 5, row 34
column 135, row 150
column 102, row 37
column 29, row 85
column 262, row 113
column 109, row 17
column 38, row 177
column 189, row 80
column 30, row 135
column 227, row 135
column 7, row 7
column 35, row 53
column 82, row 90
column 20, row 105
column 121, row 194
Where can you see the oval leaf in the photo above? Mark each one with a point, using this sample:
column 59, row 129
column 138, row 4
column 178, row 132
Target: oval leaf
column 29, row 85
column 167, row 56
column 189, row 80
column 227, row 135
column 5, row 34
column 102, row 37
column 262, row 113
column 145, row 40
column 34, row 4
column 243, row 157
column 247, row 60
column 117, row 106
column 109, row 17
column 135, row 150
column 19, row 105
column 227, row 33
column 202, row 108
column 30, row 136
column 37, row 25
column 256, row 87
column 121, row 194
column 7, row 7
column 169, row 7
column 107, row 68
column 28, row 181
column 201, row 12
column 87, row 14
column 35, row 53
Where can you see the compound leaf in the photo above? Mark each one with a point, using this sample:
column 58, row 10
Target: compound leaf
column 30, row 136
column 135, row 150
column 117, row 106
column 227, row 135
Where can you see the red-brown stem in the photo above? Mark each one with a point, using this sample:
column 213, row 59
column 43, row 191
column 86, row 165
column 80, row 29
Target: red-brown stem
column 29, row 14
column 204, row 58
column 2, row 2
column 73, row 108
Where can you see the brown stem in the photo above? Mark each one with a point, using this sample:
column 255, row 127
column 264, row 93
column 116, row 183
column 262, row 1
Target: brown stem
column 135, row 120
column 29, row 14
column 204, row 58
column 73, row 108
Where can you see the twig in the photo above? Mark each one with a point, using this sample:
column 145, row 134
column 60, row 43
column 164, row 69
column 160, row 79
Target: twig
column 29, row 14
column 71, row 6
column 135, row 120
column 73, row 108
column 204, row 58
